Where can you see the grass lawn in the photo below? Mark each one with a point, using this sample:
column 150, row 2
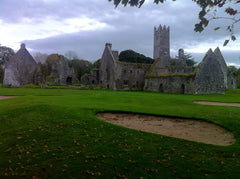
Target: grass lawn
column 54, row 133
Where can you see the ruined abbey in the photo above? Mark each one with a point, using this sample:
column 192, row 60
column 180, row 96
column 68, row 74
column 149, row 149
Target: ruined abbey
column 165, row 74
column 21, row 69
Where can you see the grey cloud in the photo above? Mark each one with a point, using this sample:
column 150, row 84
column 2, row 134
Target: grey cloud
column 131, row 28
column 14, row 10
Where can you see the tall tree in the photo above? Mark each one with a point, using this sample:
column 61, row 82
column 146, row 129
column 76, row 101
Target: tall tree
column 188, row 58
column 97, row 63
column 207, row 13
column 80, row 67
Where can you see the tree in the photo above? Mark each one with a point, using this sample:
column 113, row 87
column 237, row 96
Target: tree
column 97, row 63
column 207, row 13
column 71, row 55
column 134, row 57
column 189, row 59
column 80, row 67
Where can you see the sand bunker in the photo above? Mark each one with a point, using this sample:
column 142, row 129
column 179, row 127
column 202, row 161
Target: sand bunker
column 194, row 130
column 6, row 97
column 217, row 103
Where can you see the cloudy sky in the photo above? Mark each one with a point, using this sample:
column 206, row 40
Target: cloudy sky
column 84, row 26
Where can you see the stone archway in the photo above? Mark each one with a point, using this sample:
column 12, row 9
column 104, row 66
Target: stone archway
column 160, row 88
column 69, row 80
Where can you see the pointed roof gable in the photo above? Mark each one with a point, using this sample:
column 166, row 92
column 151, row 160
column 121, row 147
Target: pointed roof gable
column 223, row 64
column 24, row 56
column 209, row 77
column 20, row 69
column 220, row 57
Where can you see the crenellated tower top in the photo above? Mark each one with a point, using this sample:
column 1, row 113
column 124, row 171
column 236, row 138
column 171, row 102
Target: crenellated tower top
column 161, row 29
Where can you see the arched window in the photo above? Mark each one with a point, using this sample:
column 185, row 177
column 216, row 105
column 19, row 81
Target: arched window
column 69, row 80
column 182, row 89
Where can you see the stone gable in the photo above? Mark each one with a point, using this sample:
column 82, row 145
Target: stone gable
column 223, row 64
column 209, row 77
column 20, row 69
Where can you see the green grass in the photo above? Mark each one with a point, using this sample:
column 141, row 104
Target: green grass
column 54, row 133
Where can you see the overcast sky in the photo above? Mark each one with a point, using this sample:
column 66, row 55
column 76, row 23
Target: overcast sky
column 84, row 26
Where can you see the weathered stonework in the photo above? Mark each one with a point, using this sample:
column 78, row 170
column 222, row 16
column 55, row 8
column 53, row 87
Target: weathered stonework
column 57, row 71
column 118, row 75
column 231, row 80
column 20, row 69
column 170, row 84
column 209, row 77
column 166, row 75
column 92, row 78
column 223, row 66
column 161, row 43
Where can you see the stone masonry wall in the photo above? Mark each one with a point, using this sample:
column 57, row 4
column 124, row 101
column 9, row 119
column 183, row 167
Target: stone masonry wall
column 20, row 69
column 170, row 84
column 209, row 78
column 130, row 76
column 106, row 69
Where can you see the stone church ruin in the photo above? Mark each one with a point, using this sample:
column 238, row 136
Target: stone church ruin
column 57, row 71
column 165, row 74
column 21, row 69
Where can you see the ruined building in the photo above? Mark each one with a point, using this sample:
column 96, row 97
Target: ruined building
column 165, row 74
column 57, row 71
column 20, row 69
column 117, row 75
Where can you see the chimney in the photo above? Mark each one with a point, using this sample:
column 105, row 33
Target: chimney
column 23, row 46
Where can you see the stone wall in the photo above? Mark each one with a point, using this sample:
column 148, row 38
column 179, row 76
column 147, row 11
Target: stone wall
column 118, row 75
column 174, row 66
column 106, row 69
column 20, row 69
column 231, row 80
column 170, row 84
column 91, row 79
column 223, row 64
column 209, row 77
column 129, row 76
column 56, row 70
